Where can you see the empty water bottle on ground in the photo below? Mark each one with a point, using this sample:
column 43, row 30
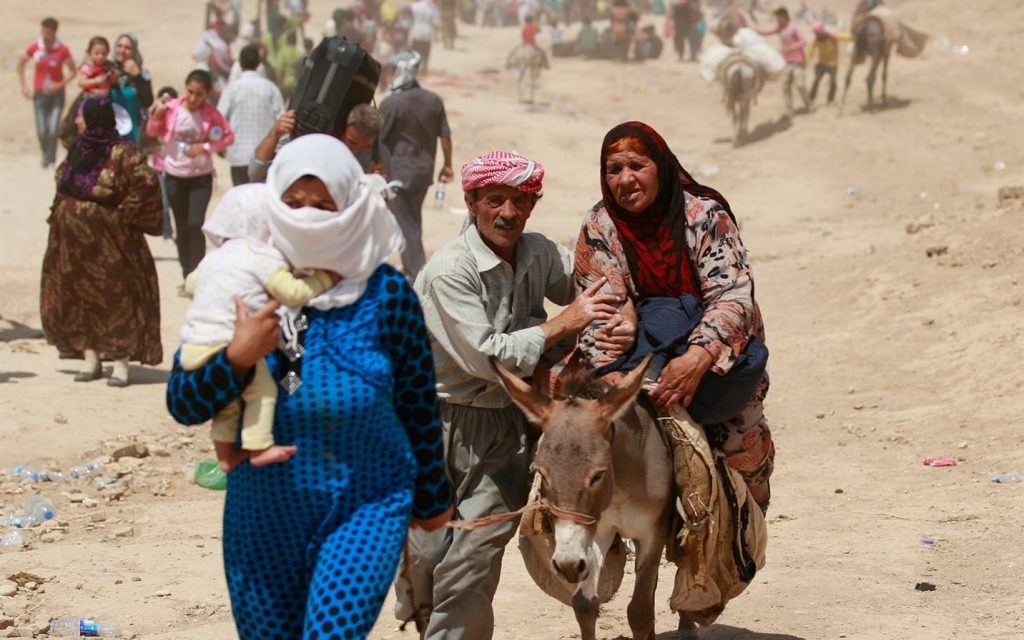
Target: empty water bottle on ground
column 39, row 508
column 84, row 469
column 11, row 541
column 439, row 196
column 23, row 472
column 84, row 627
column 1006, row 478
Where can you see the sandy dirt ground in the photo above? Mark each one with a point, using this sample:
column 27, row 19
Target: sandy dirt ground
column 881, row 354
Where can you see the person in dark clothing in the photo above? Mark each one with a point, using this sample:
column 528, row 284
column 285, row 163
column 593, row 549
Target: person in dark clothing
column 684, row 15
column 414, row 120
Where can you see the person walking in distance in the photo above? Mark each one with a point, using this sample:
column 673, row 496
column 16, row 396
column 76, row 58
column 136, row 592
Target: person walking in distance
column 414, row 120
column 251, row 104
column 191, row 130
column 794, row 47
column 54, row 69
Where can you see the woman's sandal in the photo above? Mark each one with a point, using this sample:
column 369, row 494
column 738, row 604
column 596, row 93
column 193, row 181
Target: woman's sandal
column 89, row 376
column 120, row 383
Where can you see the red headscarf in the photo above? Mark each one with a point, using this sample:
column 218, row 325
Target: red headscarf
column 654, row 240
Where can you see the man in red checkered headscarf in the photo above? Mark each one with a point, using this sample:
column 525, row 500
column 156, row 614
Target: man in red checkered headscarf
column 483, row 299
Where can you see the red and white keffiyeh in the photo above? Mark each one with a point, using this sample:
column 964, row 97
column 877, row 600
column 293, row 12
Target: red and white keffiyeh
column 503, row 167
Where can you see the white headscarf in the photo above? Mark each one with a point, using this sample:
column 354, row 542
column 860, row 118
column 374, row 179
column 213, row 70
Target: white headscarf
column 352, row 241
column 407, row 66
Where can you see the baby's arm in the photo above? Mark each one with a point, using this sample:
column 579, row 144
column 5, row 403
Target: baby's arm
column 292, row 291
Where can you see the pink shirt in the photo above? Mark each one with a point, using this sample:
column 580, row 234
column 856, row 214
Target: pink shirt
column 177, row 127
column 793, row 43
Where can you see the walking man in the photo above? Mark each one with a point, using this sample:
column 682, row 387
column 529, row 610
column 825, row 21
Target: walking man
column 252, row 105
column 51, row 58
column 414, row 121
column 483, row 298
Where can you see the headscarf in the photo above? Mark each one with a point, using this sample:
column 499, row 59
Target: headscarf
column 352, row 241
column 407, row 65
column 241, row 214
column 503, row 167
column 136, row 54
column 81, row 169
column 654, row 240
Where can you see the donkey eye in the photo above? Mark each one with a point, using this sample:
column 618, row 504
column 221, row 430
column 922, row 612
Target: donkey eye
column 597, row 478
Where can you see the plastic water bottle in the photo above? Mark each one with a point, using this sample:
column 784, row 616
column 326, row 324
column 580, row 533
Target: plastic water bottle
column 39, row 508
column 23, row 521
column 85, row 469
column 11, row 541
column 439, row 196
column 183, row 147
column 23, row 472
column 84, row 627
column 1006, row 478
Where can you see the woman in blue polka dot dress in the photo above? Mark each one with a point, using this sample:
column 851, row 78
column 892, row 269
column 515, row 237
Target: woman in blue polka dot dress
column 311, row 545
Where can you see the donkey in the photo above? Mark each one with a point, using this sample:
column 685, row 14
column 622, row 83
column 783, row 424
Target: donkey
column 605, row 471
column 741, row 83
column 869, row 41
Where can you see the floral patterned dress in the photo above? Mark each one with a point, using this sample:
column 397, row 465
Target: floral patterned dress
column 99, row 283
column 731, row 316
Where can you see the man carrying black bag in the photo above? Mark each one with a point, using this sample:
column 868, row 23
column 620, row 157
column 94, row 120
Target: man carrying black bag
column 414, row 120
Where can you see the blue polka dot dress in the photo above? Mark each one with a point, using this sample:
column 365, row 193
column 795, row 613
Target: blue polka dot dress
column 311, row 545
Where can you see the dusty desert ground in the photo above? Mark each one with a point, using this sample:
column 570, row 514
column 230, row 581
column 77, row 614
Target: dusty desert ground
column 882, row 355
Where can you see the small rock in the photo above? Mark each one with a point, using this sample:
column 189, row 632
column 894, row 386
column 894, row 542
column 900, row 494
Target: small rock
column 98, row 517
column 32, row 586
column 924, row 586
column 41, row 626
column 820, row 416
column 962, row 445
column 25, row 632
column 136, row 579
column 6, row 622
column 158, row 450
column 1010, row 194
column 76, row 497
column 51, row 537
column 137, row 450
column 124, row 532
column 78, row 587
column 938, row 250
column 8, row 588
column 119, row 581
column 163, row 593
column 60, row 419
column 840, row 491
column 90, row 503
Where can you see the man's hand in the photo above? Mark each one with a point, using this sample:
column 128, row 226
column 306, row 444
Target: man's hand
column 255, row 336
column 446, row 175
column 285, row 125
column 681, row 377
column 590, row 306
column 25, row 91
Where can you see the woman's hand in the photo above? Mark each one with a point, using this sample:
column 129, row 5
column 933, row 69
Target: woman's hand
column 680, row 378
column 435, row 523
column 616, row 337
column 334, row 276
column 256, row 335
column 196, row 149
column 131, row 67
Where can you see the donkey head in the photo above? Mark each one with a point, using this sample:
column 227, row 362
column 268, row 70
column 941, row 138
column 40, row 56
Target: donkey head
column 574, row 460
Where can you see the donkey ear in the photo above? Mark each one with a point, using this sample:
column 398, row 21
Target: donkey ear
column 536, row 407
column 614, row 403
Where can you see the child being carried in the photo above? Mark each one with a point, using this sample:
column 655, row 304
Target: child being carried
column 246, row 264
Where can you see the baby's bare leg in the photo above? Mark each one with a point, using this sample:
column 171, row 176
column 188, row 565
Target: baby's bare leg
column 228, row 456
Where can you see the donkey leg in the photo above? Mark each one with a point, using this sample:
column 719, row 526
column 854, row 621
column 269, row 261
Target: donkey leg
column 687, row 627
column 640, row 611
column 586, row 610
column 885, row 78
column 875, row 61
